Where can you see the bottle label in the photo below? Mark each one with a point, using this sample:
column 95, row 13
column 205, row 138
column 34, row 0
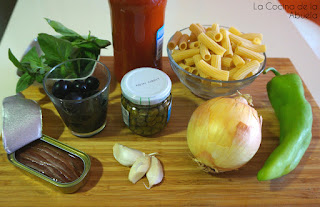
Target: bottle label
column 125, row 115
column 159, row 42
column 169, row 111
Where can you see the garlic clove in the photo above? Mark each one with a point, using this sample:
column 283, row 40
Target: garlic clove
column 155, row 172
column 139, row 168
column 126, row 156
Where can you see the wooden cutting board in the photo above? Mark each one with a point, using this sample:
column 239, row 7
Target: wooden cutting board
column 184, row 183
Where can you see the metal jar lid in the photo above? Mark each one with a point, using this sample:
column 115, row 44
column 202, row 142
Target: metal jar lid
column 22, row 122
column 146, row 86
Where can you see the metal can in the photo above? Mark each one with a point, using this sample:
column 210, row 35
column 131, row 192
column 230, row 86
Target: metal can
column 146, row 100
column 52, row 181
column 56, row 164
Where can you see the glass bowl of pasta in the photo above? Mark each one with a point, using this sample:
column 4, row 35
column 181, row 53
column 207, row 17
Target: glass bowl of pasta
column 212, row 61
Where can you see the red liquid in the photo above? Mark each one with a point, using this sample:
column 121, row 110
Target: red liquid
column 134, row 28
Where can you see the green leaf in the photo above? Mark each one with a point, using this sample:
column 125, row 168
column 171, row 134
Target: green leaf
column 24, row 82
column 88, row 69
column 33, row 59
column 60, row 28
column 90, row 55
column 87, row 45
column 102, row 43
column 70, row 39
column 16, row 62
column 56, row 50
column 39, row 77
column 89, row 35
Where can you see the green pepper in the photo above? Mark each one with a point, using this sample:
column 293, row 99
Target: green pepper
column 286, row 95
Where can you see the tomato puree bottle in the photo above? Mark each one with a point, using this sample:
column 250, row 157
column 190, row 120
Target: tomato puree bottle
column 137, row 33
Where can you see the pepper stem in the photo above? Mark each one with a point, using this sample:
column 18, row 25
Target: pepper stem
column 273, row 70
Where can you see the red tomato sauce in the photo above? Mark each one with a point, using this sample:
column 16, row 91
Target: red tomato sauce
column 135, row 24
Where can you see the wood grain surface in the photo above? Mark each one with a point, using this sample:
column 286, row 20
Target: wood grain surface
column 184, row 183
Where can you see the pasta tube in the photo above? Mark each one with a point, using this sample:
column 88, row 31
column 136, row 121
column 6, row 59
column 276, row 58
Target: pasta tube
column 193, row 37
column 195, row 44
column 183, row 42
column 177, row 57
column 256, row 41
column 255, row 48
column 234, row 31
column 216, row 61
column 252, row 73
column 233, row 45
column 251, row 36
column 225, row 43
column 188, row 61
column 238, row 61
column 244, row 52
column 194, row 71
column 175, row 51
column 210, row 71
column 215, row 27
column 204, row 52
column 246, row 69
column 212, row 45
column 236, row 39
column 216, row 36
column 186, row 67
column 196, row 59
column 232, row 72
column 213, row 72
column 195, row 29
column 201, row 27
column 226, row 62
column 208, row 29
column 174, row 40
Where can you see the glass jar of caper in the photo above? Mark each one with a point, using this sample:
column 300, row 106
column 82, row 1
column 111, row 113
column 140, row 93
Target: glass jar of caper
column 146, row 100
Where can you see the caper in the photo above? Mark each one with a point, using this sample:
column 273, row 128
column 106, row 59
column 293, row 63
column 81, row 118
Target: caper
column 159, row 118
column 133, row 122
column 153, row 112
column 141, row 124
column 134, row 111
column 151, row 123
column 161, row 110
column 141, row 118
column 151, row 118
column 143, row 111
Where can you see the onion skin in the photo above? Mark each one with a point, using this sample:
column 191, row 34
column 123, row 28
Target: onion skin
column 224, row 133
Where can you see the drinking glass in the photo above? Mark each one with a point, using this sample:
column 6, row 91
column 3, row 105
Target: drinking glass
column 83, row 109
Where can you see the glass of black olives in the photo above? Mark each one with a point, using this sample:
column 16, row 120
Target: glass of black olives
column 79, row 90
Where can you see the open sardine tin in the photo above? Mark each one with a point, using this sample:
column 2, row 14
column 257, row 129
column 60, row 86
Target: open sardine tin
column 56, row 164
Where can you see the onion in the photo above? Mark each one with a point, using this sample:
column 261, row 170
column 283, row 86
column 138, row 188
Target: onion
column 224, row 133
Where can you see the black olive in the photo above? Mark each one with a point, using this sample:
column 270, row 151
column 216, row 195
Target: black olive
column 61, row 88
column 92, row 83
column 79, row 86
column 89, row 93
column 73, row 96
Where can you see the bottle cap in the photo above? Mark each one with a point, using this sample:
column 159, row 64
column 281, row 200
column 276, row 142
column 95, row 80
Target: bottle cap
column 146, row 86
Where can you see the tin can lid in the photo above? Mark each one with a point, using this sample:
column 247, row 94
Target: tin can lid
column 22, row 122
column 146, row 86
